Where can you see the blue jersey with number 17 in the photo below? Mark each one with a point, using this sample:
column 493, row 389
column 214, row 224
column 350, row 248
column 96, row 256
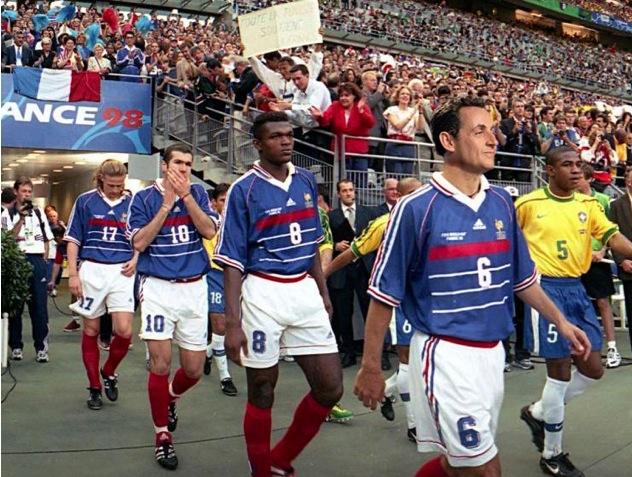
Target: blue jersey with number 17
column 97, row 226
column 270, row 226
column 453, row 262
column 177, row 251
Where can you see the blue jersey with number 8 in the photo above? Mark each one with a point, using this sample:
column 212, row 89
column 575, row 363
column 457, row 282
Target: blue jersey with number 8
column 270, row 226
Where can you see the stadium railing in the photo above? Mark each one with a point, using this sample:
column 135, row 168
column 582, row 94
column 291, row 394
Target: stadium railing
column 223, row 150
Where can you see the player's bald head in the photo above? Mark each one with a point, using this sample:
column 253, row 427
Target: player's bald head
column 408, row 185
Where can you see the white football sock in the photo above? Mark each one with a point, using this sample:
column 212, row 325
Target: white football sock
column 553, row 407
column 579, row 383
column 404, row 393
column 219, row 356
column 391, row 385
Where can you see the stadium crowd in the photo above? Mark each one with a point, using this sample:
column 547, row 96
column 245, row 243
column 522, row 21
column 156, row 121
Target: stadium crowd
column 440, row 28
column 350, row 91
column 620, row 9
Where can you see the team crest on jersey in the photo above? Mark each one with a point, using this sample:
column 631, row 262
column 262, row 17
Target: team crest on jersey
column 124, row 217
column 500, row 230
column 308, row 200
column 582, row 216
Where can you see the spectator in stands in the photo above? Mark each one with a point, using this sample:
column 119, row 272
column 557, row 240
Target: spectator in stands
column 247, row 80
column 81, row 47
column 18, row 54
column 521, row 138
column 99, row 63
column 404, row 120
column 602, row 158
column 376, row 93
column 560, row 135
column 545, row 126
column 621, row 214
column 68, row 58
column 351, row 116
column 45, row 58
column 129, row 59
column 624, row 158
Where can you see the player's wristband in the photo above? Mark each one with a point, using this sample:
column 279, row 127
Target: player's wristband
column 186, row 195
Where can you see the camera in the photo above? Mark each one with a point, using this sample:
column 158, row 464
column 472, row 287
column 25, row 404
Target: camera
column 27, row 205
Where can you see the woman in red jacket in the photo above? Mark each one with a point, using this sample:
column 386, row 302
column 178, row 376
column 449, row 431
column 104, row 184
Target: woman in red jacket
column 351, row 116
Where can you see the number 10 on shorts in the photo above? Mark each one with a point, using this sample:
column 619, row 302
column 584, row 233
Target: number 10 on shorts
column 155, row 324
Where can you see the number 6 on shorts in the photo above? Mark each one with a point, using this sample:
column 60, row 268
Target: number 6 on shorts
column 469, row 436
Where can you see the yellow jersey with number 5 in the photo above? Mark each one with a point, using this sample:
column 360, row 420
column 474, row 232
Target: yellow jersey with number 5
column 559, row 230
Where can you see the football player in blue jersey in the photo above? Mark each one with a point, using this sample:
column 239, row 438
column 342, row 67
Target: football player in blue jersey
column 105, row 279
column 269, row 237
column 166, row 224
column 452, row 257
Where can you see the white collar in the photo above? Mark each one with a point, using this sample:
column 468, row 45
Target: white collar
column 345, row 208
column 111, row 203
column 449, row 189
column 285, row 185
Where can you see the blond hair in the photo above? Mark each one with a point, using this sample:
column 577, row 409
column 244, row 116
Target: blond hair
column 110, row 168
column 368, row 75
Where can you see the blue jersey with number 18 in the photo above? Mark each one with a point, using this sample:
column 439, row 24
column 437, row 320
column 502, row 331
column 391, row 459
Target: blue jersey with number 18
column 97, row 226
column 453, row 262
column 270, row 226
column 177, row 251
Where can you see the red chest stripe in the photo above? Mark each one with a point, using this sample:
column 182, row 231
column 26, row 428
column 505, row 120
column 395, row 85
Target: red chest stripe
column 285, row 218
column 446, row 252
column 178, row 220
column 107, row 223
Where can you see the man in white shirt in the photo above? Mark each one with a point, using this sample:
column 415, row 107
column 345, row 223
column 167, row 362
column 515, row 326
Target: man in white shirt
column 32, row 232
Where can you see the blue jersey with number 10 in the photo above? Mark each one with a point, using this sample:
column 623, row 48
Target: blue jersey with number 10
column 270, row 226
column 176, row 252
column 454, row 262
column 97, row 226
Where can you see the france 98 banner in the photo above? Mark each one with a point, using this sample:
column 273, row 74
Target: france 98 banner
column 120, row 122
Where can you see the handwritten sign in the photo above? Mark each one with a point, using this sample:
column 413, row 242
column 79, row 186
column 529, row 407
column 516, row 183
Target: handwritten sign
column 279, row 27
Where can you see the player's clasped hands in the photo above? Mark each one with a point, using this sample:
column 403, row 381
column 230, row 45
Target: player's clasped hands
column 179, row 182
column 369, row 386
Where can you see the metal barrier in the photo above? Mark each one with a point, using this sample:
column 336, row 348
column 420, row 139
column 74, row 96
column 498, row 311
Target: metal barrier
column 222, row 140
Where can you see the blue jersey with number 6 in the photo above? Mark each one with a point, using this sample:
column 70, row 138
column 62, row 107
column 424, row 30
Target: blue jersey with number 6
column 270, row 226
column 97, row 226
column 453, row 262
column 177, row 251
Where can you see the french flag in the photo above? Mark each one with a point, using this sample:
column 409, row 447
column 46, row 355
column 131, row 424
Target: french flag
column 57, row 85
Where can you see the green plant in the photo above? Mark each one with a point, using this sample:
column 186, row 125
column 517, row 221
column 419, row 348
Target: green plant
column 16, row 274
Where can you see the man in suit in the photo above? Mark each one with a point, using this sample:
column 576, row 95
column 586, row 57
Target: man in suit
column 18, row 54
column 346, row 223
column 390, row 197
column 621, row 214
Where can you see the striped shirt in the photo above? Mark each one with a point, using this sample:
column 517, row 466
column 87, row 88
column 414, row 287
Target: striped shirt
column 270, row 226
column 177, row 251
column 453, row 262
column 97, row 226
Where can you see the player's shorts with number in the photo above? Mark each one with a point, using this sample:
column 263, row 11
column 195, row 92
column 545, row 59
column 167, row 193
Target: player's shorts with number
column 569, row 295
column 215, row 281
column 174, row 311
column 456, row 391
column 283, row 312
column 401, row 329
column 105, row 289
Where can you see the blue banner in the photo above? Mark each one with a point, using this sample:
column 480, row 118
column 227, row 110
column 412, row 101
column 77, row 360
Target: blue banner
column 121, row 122
column 612, row 22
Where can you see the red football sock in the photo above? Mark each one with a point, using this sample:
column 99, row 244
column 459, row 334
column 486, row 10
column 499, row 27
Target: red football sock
column 90, row 354
column 308, row 417
column 158, row 388
column 181, row 383
column 257, row 429
column 118, row 349
column 432, row 468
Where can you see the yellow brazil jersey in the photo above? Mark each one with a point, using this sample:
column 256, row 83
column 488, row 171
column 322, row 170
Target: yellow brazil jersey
column 371, row 237
column 328, row 241
column 209, row 245
column 559, row 231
